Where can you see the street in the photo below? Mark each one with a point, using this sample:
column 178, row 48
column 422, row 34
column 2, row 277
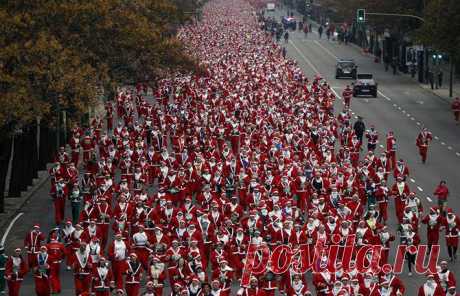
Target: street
column 402, row 106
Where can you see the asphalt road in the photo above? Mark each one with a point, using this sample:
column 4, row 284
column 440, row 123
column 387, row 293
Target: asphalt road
column 402, row 106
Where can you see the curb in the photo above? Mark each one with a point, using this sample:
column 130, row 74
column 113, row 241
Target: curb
column 26, row 199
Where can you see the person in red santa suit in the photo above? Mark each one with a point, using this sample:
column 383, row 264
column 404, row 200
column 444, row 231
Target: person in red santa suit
column 238, row 246
column 451, row 291
column 395, row 283
column 66, row 236
column 91, row 231
column 347, row 94
column 338, row 289
column 75, row 147
column 82, row 268
column 391, row 149
column 109, row 115
column 435, row 222
column 159, row 241
column 270, row 283
column 400, row 191
column 157, row 274
column 56, row 171
column 32, row 243
column 102, row 278
column 103, row 214
column 442, row 192
column 87, row 144
column 59, row 192
column 381, row 196
column 224, row 274
column 430, row 287
column 452, row 227
column 423, row 140
column 323, row 282
column 445, row 277
column 133, row 274
column 118, row 252
column 383, row 289
column 384, row 238
column 15, row 270
column 179, row 273
column 252, row 290
column 357, row 288
column 56, row 253
column 217, row 255
column 141, row 246
column 297, row 287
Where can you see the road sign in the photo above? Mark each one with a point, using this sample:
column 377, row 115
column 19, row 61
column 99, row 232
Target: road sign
column 361, row 15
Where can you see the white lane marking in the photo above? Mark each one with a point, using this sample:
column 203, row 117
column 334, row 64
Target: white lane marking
column 442, row 143
column 336, row 94
column 394, row 105
column 399, row 108
column 381, row 146
column 429, row 199
column 408, row 115
column 436, row 137
column 450, row 147
column 418, row 123
column 412, row 118
column 403, row 111
column 420, row 188
column 5, row 235
column 412, row 180
column 458, row 154
column 388, row 98
column 356, row 117
column 352, row 113
column 304, row 57
column 326, row 50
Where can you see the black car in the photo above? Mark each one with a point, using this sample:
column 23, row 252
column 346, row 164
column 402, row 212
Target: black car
column 365, row 85
column 345, row 68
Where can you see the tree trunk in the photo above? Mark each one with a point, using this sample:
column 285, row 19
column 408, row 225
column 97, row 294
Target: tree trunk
column 451, row 78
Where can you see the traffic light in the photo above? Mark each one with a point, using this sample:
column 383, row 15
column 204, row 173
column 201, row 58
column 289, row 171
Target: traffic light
column 361, row 15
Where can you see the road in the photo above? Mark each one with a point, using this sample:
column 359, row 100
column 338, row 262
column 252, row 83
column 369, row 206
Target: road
column 402, row 106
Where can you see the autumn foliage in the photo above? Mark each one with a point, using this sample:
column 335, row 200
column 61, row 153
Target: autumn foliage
column 61, row 54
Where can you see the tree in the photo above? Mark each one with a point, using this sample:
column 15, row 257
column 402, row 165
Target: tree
column 441, row 29
column 59, row 53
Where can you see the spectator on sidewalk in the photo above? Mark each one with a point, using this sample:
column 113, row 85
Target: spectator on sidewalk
column 320, row 31
column 456, row 109
column 431, row 78
column 386, row 61
column 394, row 65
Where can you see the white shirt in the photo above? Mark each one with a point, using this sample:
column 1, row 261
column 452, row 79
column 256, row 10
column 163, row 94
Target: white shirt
column 120, row 250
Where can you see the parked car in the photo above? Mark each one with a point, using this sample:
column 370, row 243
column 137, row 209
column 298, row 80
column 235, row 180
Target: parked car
column 346, row 68
column 365, row 85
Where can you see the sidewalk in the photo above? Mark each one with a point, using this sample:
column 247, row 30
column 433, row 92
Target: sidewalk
column 13, row 205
